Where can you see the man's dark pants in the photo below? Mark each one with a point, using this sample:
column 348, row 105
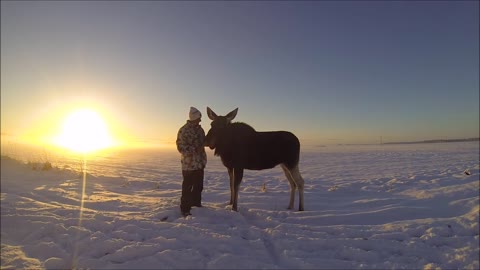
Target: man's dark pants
column 192, row 187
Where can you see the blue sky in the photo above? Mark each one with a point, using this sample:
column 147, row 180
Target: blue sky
column 329, row 71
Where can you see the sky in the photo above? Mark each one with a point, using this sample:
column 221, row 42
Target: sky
column 328, row 71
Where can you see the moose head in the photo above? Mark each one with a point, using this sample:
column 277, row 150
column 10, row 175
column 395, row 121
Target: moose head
column 218, row 126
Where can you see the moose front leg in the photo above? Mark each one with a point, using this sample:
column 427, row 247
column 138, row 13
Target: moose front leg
column 230, row 174
column 237, row 179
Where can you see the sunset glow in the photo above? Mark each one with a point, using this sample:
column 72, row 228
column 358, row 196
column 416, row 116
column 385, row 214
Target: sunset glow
column 84, row 131
column 327, row 76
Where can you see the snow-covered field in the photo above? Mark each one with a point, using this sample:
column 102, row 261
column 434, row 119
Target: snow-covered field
column 367, row 207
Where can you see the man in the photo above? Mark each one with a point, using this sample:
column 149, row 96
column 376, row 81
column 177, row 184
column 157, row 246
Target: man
column 190, row 144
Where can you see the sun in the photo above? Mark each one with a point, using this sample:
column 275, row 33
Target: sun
column 84, row 131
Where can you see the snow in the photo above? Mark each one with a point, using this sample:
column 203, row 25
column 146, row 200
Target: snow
column 367, row 207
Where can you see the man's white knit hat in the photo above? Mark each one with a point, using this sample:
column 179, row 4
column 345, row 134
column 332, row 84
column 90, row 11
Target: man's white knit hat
column 194, row 114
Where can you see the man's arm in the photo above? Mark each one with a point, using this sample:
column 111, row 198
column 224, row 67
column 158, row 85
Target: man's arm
column 184, row 144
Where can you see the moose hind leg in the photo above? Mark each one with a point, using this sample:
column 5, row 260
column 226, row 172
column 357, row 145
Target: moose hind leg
column 293, row 186
column 300, row 184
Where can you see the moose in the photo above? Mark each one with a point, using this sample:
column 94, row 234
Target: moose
column 240, row 147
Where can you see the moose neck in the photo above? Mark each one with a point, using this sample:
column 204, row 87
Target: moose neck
column 231, row 136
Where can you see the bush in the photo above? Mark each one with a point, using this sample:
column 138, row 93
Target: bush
column 47, row 166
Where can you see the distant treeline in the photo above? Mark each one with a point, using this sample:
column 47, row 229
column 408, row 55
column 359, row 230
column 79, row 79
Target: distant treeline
column 438, row 141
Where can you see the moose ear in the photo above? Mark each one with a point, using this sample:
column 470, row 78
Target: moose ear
column 212, row 115
column 231, row 115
